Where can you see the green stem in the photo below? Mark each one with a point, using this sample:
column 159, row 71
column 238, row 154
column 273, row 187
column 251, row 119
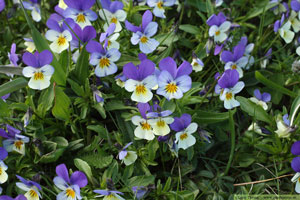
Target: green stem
column 231, row 124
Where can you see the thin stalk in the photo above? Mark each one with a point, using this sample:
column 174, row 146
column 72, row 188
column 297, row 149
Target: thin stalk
column 231, row 124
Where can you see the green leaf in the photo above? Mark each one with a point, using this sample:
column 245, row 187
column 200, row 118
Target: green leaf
column 189, row 28
column 209, row 8
column 295, row 107
column 254, row 110
column 257, row 11
column 206, row 174
column 76, row 88
column 45, row 101
column 41, row 44
column 152, row 147
column 167, row 185
column 273, row 85
column 62, row 103
column 12, row 86
column 84, row 167
column 82, row 71
column 141, row 181
column 11, row 70
column 4, row 109
column 117, row 105
column 204, row 117
column 97, row 160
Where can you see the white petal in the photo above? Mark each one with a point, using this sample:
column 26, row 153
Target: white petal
column 3, row 176
column 36, row 16
column 297, row 188
column 52, row 35
column 120, row 15
column 298, row 51
column 47, row 70
column 39, row 84
column 130, row 158
column 192, row 128
column 149, row 46
column 22, row 186
column 187, row 142
column 295, row 177
column 136, row 120
column 29, row 71
column 60, row 183
column 242, row 62
column 229, row 104
column 142, row 98
column 140, row 133
column 105, row 71
column 212, row 30
column 238, row 87
column 150, row 81
column 135, row 39
column 221, row 37
column 225, row 26
column 131, row 84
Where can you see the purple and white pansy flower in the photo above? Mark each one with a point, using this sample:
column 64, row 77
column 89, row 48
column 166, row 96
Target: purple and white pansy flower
column 218, row 27
column 284, row 127
column 173, row 81
column 184, row 128
column 295, row 164
column 197, row 64
column 229, row 85
column 160, row 122
column 103, row 59
column 14, row 140
column 30, row 187
column 79, row 11
column 29, row 44
column 35, row 7
column 142, row 34
column 111, row 37
column 128, row 157
column 109, row 194
column 158, row 5
column 3, row 167
column 38, row 69
column 261, row 99
column 140, row 80
column 70, row 186
column 112, row 13
column 59, row 33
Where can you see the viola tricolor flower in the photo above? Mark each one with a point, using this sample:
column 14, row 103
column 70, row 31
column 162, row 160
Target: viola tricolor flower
column 59, row 33
column 14, row 140
column 284, row 128
column 82, row 36
column 293, row 19
column 109, row 194
column 13, row 57
column 261, row 99
column 79, row 11
column 38, row 69
column 110, row 37
column 197, row 64
column 143, row 129
column 159, row 5
column 142, row 34
column 102, row 58
column 34, row 6
column 19, row 197
column 236, row 59
column 173, row 81
column 98, row 97
column 112, row 13
column 218, row 27
column 29, row 44
column 267, row 57
column 30, row 187
column 184, row 128
column 228, row 85
column 128, row 157
column 284, row 30
column 159, row 122
column 70, row 186
column 140, row 80
column 3, row 167
column 295, row 150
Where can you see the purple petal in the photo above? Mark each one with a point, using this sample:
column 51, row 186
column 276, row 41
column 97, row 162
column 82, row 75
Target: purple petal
column 62, row 171
column 73, row 4
column 166, row 113
column 45, row 58
column 130, row 71
column 12, row 131
column 181, row 123
column 53, row 24
column 146, row 68
column 110, row 30
column 212, row 20
column 268, row 54
column 142, row 56
column 79, row 178
column 122, row 154
column 257, row 94
column 94, row 46
column 296, row 148
column 147, row 18
column 296, row 164
column 221, row 18
column 59, row 10
column 295, row 5
column 229, row 78
column 227, row 56
column 152, row 115
column 4, row 197
column 2, row 5
column 105, row 4
column 5, row 96
column 102, row 192
column 168, row 64
column 238, row 51
column 87, row 4
column 143, row 108
column 286, row 119
column 132, row 27
column 116, row 5
column 184, row 69
column 20, row 197
column 3, row 153
column 266, row 97
column 127, row 145
column 243, row 41
column 276, row 26
column 218, row 49
column 23, row 180
column 30, row 60
column 67, row 24
column 88, row 34
column 3, row 133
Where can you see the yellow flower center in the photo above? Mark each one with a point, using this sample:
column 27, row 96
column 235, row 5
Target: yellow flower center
column 171, row 88
column 70, row 193
column 18, row 144
column 80, row 18
column 114, row 20
column 160, row 4
column 145, row 126
column 140, row 89
column 218, row 33
column 195, row 64
column 144, row 39
column 61, row 40
column 160, row 123
column 1, row 171
column 38, row 76
column 233, row 66
column 228, row 96
column 104, row 62
column 108, row 43
column 33, row 193
column 183, row 136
